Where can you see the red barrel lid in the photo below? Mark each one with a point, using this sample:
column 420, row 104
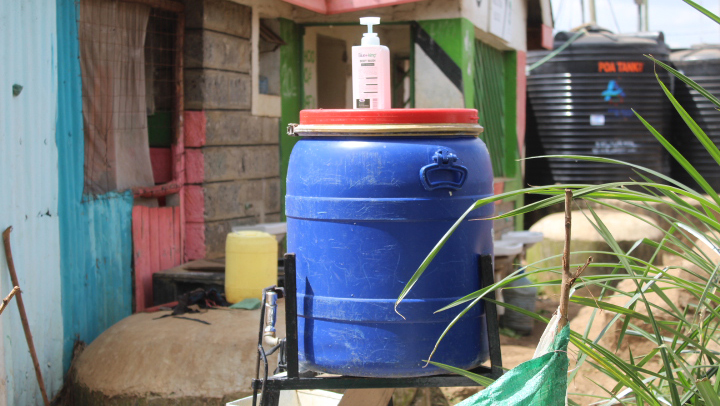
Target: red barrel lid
column 388, row 116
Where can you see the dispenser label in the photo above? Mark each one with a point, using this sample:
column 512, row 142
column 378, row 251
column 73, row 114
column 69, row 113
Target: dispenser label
column 362, row 103
column 368, row 85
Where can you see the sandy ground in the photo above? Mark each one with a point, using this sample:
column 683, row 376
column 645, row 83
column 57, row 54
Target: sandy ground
column 588, row 380
column 516, row 350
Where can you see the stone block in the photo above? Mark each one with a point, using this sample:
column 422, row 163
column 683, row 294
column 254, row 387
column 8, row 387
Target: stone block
column 216, row 232
column 240, row 128
column 219, row 15
column 194, row 166
column 213, row 89
column 245, row 198
column 194, row 124
column 214, row 50
column 237, row 163
column 194, row 241
column 194, row 204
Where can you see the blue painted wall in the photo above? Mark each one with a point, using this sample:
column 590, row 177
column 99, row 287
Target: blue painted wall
column 95, row 232
column 29, row 197
column 73, row 253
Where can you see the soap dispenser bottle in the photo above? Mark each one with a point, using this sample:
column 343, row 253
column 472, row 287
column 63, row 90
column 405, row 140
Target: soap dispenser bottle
column 371, row 70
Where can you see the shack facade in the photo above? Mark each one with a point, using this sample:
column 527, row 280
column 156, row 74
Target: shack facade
column 462, row 53
column 145, row 130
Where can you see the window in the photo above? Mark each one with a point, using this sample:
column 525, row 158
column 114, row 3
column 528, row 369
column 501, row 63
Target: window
column 129, row 90
column 266, row 42
column 269, row 55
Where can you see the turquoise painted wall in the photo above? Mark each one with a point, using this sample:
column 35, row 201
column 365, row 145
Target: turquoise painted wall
column 29, row 197
column 95, row 232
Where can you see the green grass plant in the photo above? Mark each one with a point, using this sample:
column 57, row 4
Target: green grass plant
column 672, row 349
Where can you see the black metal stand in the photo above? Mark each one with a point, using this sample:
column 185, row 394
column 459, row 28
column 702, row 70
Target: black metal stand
column 270, row 386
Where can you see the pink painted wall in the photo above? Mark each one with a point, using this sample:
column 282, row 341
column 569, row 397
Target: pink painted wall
column 195, row 122
column 161, row 160
column 318, row 6
column 194, row 241
column 194, row 166
column 195, row 136
column 157, row 246
column 547, row 37
column 344, row 6
column 521, row 92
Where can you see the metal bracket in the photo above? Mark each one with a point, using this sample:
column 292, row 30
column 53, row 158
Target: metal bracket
column 270, row 386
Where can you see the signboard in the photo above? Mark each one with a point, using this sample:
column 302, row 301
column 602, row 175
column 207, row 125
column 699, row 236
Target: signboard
column 501, row 18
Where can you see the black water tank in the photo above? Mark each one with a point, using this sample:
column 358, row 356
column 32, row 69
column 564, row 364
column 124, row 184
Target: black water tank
column 701, row 63
column 579, row 103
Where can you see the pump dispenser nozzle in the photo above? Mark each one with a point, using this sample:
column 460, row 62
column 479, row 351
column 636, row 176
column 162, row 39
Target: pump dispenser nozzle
column 370, row 37
column 371, row 70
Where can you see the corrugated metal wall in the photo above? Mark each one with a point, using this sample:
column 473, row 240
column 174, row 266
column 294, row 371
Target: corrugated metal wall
column 29, row 196
column 95, row 233
column 490, row 93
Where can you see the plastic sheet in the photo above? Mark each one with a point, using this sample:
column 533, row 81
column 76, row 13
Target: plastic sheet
column 539, row 381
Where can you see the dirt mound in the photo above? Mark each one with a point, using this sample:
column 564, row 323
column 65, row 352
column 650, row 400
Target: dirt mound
column 171, row 361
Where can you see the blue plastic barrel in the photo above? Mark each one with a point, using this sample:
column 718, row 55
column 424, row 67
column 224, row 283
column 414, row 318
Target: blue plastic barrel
column 369, row 194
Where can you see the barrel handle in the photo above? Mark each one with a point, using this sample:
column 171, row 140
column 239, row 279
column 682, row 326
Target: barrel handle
column 444, row 163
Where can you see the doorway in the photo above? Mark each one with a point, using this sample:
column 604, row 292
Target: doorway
column 332, row 67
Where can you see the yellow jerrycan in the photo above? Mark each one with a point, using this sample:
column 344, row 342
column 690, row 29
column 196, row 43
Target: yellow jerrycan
column 251, row 263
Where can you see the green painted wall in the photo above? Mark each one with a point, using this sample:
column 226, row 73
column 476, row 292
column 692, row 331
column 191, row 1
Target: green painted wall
column 511, row 145
column 512, row 163
column 456, row 36
column 467, row 63
column 291, row 94
column 446, row 33
column 489, row 80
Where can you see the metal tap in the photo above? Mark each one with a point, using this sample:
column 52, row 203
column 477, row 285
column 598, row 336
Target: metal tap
column 269, row 334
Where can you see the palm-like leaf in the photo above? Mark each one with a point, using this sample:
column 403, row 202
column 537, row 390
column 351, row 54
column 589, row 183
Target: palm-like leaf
column 682, row 366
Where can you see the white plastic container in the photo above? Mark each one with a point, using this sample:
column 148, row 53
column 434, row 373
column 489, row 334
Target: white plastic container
column 371, row 70
column 315, row 397
column 527, row 238
column 276, row 229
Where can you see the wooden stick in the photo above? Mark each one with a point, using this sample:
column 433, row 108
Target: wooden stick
column 5, row 301
column 566, row 276
column 568, row 279
column 23, row 316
